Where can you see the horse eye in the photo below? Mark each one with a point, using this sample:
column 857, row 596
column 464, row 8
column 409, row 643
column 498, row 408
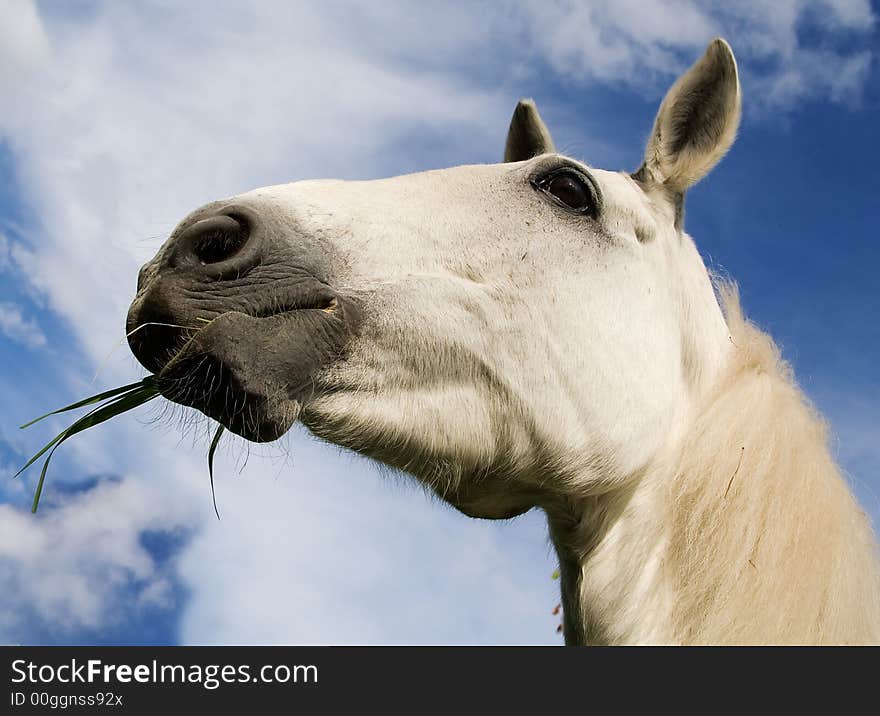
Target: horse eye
column 569, row 189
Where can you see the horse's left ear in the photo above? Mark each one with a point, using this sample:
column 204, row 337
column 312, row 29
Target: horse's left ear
column 528, row 136
column 697, row 121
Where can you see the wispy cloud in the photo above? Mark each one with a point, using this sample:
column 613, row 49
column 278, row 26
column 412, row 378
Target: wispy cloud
column 643, row 42
column 5, row 253
column 308, row 551
column 15, row 326
column 82, row 565
column 23, row 43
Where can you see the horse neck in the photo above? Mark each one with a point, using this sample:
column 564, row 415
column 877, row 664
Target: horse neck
column 611, row 552
column 744, row 531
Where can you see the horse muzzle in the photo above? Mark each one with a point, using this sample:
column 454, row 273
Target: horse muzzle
column 236, row 319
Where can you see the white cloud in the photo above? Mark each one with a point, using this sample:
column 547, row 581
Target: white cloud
column 70, row 566
column 327, row 552
column 23, row 44
column 17, row 327
column 642, row 43
column 5, row 253
column 124, row 118
column 309, row 550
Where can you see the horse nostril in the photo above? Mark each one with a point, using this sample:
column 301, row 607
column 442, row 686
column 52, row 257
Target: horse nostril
column 216, row 239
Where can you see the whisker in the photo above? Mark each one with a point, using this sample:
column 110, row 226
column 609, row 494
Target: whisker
column 106, row 359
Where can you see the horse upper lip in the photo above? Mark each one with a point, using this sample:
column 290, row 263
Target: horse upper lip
column 164, row 317
column 323, row 302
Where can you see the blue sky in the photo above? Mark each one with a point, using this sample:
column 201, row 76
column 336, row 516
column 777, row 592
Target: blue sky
column 116, row 122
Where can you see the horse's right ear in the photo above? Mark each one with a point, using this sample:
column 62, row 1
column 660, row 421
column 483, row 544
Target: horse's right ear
column 697, row 122
column 528, row 136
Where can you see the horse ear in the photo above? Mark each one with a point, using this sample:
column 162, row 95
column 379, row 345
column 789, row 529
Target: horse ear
column 697, row 121
column 528, row 136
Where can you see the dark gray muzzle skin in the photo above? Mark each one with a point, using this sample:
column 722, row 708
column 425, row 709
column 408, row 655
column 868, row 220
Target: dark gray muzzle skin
column 254, row 317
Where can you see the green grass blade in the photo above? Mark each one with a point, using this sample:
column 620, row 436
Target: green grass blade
column 38, row 455
column 138, row 387
column 94, row 399
column 116, row 406
column 48, row 445
column 39, row 490
column 211, row 451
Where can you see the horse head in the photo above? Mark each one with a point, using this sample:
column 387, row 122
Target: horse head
column 513, row 334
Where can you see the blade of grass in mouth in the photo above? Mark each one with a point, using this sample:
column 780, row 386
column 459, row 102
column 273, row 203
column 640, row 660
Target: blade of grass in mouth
column 211, row 451
column 112, row 403
column 115, row 406
column 146, row 382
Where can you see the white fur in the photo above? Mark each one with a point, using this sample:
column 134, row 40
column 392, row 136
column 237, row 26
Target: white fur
column 516, row 355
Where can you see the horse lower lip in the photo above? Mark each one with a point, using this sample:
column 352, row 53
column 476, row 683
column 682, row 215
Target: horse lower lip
column 253, row 414
column 253, row 373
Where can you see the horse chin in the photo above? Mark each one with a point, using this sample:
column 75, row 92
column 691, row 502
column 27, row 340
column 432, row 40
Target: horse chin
column 253, row 374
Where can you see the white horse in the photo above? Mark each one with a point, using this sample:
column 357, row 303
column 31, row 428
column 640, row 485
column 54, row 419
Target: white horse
column 537, row 333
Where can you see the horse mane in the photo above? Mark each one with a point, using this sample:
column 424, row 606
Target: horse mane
column 767, row 543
